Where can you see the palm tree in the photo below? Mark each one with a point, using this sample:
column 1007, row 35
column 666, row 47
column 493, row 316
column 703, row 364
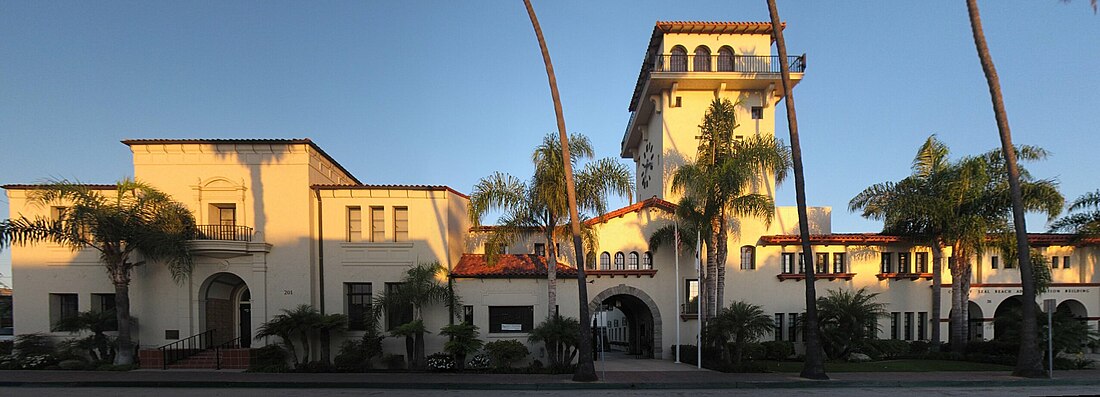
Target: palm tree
column 848, row 318
column 419, row 289
column 325, row 326
column 814, row 366
column 98, row 323
column 463, row 341
column 289, row 324
column 586, row 370
column 737, row 326
column 1083, row 218
column 559, row 335
column 136, row 220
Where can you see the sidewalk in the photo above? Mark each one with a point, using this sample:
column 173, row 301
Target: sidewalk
column 612, row 380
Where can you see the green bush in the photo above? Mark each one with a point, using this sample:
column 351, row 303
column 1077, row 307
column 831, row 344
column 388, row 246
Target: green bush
column 753, row 351
column 441, row 362
column 778, row 350
column 393, row 361
column 993, row 348
column 505, row 353
column 270, row 358
column 6, row 347
column 1072, row 363
column 885, row 349
column 919, row 348
column 688, row 353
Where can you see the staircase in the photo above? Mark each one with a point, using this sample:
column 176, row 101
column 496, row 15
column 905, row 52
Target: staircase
column 198, row 352
column 208, row 359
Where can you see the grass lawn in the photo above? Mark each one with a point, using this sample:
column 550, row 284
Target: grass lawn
column 890, row 366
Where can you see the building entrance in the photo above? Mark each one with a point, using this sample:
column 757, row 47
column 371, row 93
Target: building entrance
column 227, row 308
column 626, row 323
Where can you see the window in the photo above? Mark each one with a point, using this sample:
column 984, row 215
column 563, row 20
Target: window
column 647, row 260
column 757, row 112
column 62, row 306
column 921, row 262
column 396, row 315
column 792, row 327
column 838, row 263
column 355, row 224
column 903, row 262
column 377, row 225
column 605, row 261
column 702, row 59
column 725, row 59
column 908, row 326
column 748, row 257
column 895, row 318
column 788, row 262
column 540, row 249
column 105, row 303
column 590, row 260
column 801, row 262
column 56, row 213
column 887, row 262
column 691, row 293
column 632, row 264
column 821, row 264
column 400, row 224
column 993, row 262
column 511, row 319
column 678, row 60
column 778, row 331
column 922, row 325
column 226, row 213
column 358, row 298
column 619, row 259
column 1065, row 262
column 467, row 314
column 1054, row 262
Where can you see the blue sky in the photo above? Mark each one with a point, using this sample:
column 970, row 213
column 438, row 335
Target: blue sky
column 452, row 91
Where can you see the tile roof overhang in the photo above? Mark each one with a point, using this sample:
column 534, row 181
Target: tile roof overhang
column 652, row 202
column 291, row 141
column 507, row 266
column 391, row 187
column 1035, row 239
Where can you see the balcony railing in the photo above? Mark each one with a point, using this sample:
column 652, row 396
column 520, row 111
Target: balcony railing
column 224, row 232
column 726, row 63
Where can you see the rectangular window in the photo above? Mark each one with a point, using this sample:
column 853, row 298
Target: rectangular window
column 105, row 303
column 62, row 306
column 821, row 264
column 993, row 262
column 908, row 325
column 358, row 298
column 377, row 224
column 1065, row 262
column 400, row 224
column 540, row 249
column 511, row 319
column 838, row 263
column 1054, row 262
column 467, row 314
column 895, row 318
column 56, row 213
column 227, row 214
column 922, row 325
column 788, row 263
column 792, row 327
column 396, row 315
column 757, row 112
column 801, row 262
column 903, row 262
column 887, row 262
column 355, row 224
column 748, row 257
column 691, row 301
column 778, row 331
column 922, row 262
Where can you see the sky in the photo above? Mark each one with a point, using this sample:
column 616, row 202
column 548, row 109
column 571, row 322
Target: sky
column 433, row 92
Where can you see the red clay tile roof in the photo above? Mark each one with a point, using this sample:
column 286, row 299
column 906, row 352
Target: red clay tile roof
column 647, row 203
column 392, row 187
column 265, row 141
column 1036, row 239
column 507, row 266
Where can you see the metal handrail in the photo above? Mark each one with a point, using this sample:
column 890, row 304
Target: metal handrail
column 725, row 63
column 234, row 343
column 224, row 232
column 187, row 347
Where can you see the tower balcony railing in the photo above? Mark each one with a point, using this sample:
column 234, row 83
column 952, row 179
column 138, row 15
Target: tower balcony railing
column 725, row 63
column 224, row 233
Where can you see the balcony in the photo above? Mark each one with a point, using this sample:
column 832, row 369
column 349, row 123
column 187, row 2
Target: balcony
column 226, row 241
column 725, row 64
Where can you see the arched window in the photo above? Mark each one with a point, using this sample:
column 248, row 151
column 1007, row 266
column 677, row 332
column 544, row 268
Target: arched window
column 748, row 257
column 619, row 259
column 725, row 59
column 702, row 59
column 647, row 261
column 678, row 61
column 605, row 261
column 632, row 264
column 590, row 260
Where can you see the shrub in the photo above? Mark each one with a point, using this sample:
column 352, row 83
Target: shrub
column 753, row 351
column 1075, row 362
column 356, row 355
column 441, row 362
column 919, row 348
column 393, row 361
column 993, row 348
column 559, row 337
column 778, row 350
column 6, row 347
column 270, row 358
column 885, row 349
column 480, row 361
column 688, row 353
column 505, row 353
column 463, row 341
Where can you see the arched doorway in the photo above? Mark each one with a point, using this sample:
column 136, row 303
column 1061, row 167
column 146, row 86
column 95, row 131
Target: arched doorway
column 1075, row 308
column 1007, row 316
column 226, row 305
column 975, row 324
column 635, row 321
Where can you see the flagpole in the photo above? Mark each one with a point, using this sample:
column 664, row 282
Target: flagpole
column 676, row 253
column 699, row 299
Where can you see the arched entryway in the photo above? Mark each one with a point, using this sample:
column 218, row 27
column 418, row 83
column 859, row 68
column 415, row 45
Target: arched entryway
column 226, row 305
column 975, row 324
column 1074, row 308
column 638, row 331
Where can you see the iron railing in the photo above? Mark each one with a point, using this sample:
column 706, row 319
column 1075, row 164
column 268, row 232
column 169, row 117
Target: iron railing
column 184, row 348
column 234, row 343
column 224, row 232
column 726, row 63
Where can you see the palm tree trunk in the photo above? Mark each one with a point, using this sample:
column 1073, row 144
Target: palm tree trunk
column 1029, row 361
column 125, row 354
column 937, row 285
column 720, row 264
column 814, row 367
column 304, row 338
column 712, row 273
column 586, row 370
column 960, row 298
column 551, row 272
column 326, row 347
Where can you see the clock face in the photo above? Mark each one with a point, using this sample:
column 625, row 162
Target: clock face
column 647, row 165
